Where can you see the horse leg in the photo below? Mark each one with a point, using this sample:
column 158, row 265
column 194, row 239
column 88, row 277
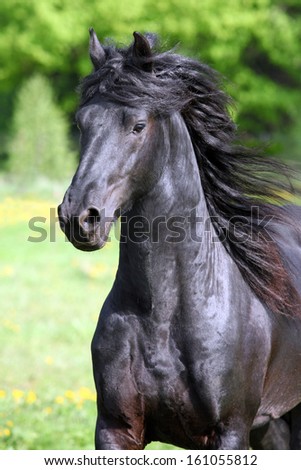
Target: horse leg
column 294, row 419
column 280, row 434
column 274, row 435
column 232, row 436
column 234, row 440
column 111, row 435
column 120, row 421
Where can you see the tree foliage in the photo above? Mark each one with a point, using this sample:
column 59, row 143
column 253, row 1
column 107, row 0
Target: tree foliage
column 39, row 142
column 256, row 44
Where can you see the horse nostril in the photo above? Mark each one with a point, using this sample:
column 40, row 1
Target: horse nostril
column 89, row 219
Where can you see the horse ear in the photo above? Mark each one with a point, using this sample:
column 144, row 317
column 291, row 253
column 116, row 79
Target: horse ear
column 152, row 39
column 97, row 53
column 142, row 53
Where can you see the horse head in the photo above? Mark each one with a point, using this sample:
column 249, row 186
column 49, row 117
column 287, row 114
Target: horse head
column 118, row 146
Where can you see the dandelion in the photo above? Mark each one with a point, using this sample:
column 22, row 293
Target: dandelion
column 86, row 394
column 47, row 410
column 74, row 263
column 15, row 210
column 59, row 400
column 7, row 271
column 31, row 397
column 48, row 360
column 11, row 326
column 17, row 394
column 70, row 395
column 2, row 393
column 9, row 423
column 6, row 432
column 97, row 270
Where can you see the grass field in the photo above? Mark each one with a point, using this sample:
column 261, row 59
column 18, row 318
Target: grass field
column 50, row 295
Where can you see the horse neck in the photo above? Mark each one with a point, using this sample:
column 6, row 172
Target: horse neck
column 158, row 265
column 178, row 191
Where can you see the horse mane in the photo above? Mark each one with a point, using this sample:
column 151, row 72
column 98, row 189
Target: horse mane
column 235, row 179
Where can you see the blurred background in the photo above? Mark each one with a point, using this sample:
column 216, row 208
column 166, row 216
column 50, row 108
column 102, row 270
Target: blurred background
column 51, row 294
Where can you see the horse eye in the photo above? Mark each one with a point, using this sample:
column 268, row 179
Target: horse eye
column 139, row 127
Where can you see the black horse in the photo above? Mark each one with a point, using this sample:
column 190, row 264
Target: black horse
column 199, row 341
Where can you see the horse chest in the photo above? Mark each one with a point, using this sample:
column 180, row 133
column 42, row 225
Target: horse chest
column 149, row 374
column 174, row 397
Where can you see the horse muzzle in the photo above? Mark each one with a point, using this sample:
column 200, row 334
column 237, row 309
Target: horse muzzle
column 87, row 231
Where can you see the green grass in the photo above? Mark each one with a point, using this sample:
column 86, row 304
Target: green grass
column 50, row 295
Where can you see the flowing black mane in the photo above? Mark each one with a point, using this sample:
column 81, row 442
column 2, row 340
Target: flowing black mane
column 235, row 179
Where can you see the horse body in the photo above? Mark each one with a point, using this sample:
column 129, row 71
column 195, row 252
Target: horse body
column 184, row 352
column 176, row 329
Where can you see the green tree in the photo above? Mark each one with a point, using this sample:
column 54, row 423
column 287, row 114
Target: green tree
column 39, row 141
column 254, row 43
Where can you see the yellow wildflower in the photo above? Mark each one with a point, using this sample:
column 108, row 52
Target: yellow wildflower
column 9, row 423
column 6, row 432
column 2, row 393
column 17, row 394
column 11, row 326
column 59, row 400
column 7, row 271
column 31, row 397
column 15, row 210
column 47, row 410
column 49, row 360
column 97, row 270
column 70, row 395
column 86, row 394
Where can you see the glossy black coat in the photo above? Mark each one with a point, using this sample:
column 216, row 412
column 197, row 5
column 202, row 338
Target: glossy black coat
column 184, row 351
